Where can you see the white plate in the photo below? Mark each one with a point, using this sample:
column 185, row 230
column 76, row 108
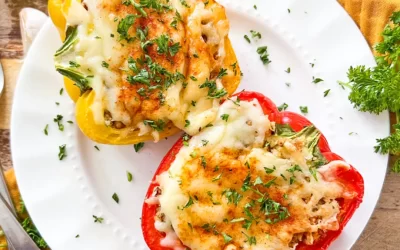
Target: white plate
column 62, row 196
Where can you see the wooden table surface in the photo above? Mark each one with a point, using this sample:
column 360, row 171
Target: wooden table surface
column 382, row 232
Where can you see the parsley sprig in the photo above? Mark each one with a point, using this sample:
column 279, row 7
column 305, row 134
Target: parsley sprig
column 377, row 89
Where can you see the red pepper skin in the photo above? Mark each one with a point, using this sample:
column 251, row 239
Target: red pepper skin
column 349, row 178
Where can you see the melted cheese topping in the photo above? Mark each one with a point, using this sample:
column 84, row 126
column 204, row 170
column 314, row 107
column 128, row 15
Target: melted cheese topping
column 201, row 32
column 213, row 195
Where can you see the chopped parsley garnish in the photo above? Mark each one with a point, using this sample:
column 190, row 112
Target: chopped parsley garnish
column 264, row 56
column 193, row 78
column 270, row 182
column 203, row 161
column 227, row 238
column 222, row 73
column 234, row 68
column 326, row 92
column 247, row 38
column 188, row 203
column 176, row 19
column 57, row 103
column 204, row 142
column 225, row 117
column 255, row 34
column 74, row 64
column 98, row 219
column 187, row 123
column 255, row 7
column 58, row 120
column 129, row 176
column 61, row 91
column 269, row 170
column 195, row 55
column 70, row 122
column 184, row 3
column 313, row 172
column 283, row 107
column 123, row 27
column 213, row 92
column 288, row 70
column 46, row 129
column 138, row 146
column 105, row 64
column 317, row 80
column 304, row 109
column 77, row 236
column 288, row 10
column 210, row 194
column 193, row 103
column 250, row 239
column 115, row 197
column 156, row 125
column 294, row 169
column 97, row 148
column 62, row 152
column 216, row 178
column 233, row 196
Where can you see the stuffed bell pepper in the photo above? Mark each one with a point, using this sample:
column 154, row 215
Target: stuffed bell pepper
column 255, row 178
column 143, row 70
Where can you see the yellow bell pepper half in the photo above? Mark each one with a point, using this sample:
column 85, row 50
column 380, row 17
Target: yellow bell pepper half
column 102, row 133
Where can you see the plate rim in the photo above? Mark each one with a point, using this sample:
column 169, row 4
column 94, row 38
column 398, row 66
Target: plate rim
column 43, row 33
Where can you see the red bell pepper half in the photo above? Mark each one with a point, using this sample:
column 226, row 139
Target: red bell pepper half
column 349, row 177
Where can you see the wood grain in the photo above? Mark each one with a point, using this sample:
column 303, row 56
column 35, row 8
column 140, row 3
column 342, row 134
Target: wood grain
column 382, row 232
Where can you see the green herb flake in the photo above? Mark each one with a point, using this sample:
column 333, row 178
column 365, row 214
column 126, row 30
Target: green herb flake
column 222, row 73
column 74, row 64
column 255, row 7
column 317, row 80
column 225, row 117
column 62, row 152
column 264, row 56
column 105, row 64
column 246, row 37
column 97, row 148
column 188, row 203
column 216, row 178
column 288, row 70
column 187, row 123
column 58, row 120
column 115, row 197
column 326, row 92
column 138, row 146
column 77, row 236
column 61, row 91
column 129, row 176
column 46, row 129
column 98, row 219
column 304, row 109
column 283, row 107
column 255, row 34
column 227, row 238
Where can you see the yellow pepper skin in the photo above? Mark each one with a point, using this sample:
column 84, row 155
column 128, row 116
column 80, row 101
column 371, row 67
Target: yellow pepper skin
column 109, row 135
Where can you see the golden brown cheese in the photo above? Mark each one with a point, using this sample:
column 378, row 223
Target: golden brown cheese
column 226, row 190
column 149, row 63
